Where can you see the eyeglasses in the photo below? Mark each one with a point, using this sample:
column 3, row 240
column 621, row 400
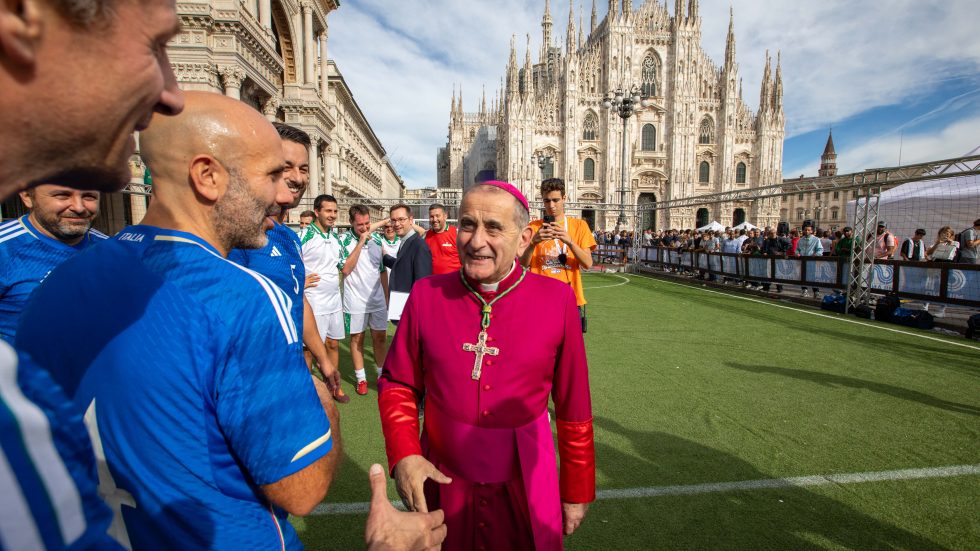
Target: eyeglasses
column 401, row 220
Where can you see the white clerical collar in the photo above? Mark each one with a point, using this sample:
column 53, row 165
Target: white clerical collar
column 492, row 287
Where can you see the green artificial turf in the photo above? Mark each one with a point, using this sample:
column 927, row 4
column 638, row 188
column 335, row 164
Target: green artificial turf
column 694, row 387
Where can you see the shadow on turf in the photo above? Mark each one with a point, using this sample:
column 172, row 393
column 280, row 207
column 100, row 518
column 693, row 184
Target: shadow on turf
column 929, row 352
column 789, row 518
column 831, row 380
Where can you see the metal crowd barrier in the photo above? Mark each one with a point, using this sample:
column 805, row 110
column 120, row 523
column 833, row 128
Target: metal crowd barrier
column 930, row 281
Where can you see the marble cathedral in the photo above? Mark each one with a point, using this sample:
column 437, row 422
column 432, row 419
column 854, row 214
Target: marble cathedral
column 697, row 135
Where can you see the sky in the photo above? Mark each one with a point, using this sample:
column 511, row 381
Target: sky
column 898, row 81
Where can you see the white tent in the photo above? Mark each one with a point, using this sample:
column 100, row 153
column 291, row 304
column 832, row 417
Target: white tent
column 745, row 226
column 930, row 205
column 713, row 226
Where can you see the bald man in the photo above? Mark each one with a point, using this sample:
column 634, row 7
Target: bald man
column 191, row 366
column 190, row 369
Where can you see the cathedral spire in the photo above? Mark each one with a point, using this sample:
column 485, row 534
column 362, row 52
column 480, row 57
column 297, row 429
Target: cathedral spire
column 594, row 19
column 459, row 106
column 692, row 10
column 528, row 71
column 570, row 36
column 777, row 93
column 765, row 95
column 452, row 106
column 730, row 44
column 545, row 32
column 612, row 11
column 678, row 12
column 513, row 82
column 483, row 104
column 581, row 27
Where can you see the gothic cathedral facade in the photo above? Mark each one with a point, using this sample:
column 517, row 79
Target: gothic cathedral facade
column 696, row 136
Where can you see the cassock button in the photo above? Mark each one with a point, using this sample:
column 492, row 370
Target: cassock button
column 486, row 413
column 486, row 387
column 482, row 524
column 489, row 362
column 483, row 503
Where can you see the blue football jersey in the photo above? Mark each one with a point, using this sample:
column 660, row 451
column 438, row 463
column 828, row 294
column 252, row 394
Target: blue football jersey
column 27, row 256
column 192, row 370
column 281, row 260
column 47, row 467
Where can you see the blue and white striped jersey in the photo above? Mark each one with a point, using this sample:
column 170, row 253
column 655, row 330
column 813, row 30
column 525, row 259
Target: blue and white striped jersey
column 47, row 468
column 190, row 369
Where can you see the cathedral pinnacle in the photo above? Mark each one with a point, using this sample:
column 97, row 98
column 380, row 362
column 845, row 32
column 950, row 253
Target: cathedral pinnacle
column 730, row 44
column 692, row 9
column 570, row 36
column 594, row 19
column 627, row 8
column 678, row 13
column 612, row 11
column 766, row 92
column 545, row 32
column 777, row 93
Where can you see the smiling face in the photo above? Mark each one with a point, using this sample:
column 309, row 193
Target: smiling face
column 255, row 191
column 103, row 83
column 401, row 221
column 489, row 238
column 297, row 174
column 437, row 220
column 63, row 213
column 326, row 215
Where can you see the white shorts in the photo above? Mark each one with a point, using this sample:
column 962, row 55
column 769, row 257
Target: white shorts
column 330, row 326
column 358, row 323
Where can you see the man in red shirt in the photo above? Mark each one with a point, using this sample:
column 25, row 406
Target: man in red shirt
column 441, row 239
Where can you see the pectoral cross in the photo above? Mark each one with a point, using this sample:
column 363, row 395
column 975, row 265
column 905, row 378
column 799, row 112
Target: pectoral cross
column 481, row 349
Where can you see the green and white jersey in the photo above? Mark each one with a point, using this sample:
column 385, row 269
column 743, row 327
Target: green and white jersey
column 362, row 288
column 322, row 255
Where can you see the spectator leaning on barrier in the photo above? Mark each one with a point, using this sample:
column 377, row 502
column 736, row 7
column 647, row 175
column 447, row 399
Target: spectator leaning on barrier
column 885, row 242
column 809, row 245
column 914, row 248
column 945, row 247
column 828, row 244
column 775, row 245
column 845, row 244
column 969, row 243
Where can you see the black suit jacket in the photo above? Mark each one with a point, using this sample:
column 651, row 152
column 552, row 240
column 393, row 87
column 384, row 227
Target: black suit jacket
column 414, row 262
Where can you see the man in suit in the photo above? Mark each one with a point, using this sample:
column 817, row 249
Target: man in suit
column 414, row 260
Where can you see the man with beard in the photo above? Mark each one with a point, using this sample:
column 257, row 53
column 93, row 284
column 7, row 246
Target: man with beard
column 281, row 259
column 219, row 433
column 441, row 239
column 486, row 454
column 58, row 226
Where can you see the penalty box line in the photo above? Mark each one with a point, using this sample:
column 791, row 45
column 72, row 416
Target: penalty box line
column 818, row 314
column 331, row 509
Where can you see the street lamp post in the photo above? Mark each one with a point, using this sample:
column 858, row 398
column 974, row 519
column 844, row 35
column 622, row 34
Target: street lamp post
column 625, row 104
column 543, row 161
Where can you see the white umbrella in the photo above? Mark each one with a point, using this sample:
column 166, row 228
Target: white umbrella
column 713, row 226
column 745, row 226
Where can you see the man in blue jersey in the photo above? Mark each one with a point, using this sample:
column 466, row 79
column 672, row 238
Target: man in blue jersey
column 219, row 433
column 58, row 225
column 59, row 125
column 281, row 260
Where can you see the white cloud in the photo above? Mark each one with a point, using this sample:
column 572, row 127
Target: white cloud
column 959, row 138
column 840, row 58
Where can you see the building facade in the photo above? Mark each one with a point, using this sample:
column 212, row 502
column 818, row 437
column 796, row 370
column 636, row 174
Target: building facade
column 696, row 136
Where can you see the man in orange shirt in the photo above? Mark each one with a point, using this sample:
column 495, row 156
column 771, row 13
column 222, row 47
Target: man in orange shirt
column 441, row 239
column 562, row 246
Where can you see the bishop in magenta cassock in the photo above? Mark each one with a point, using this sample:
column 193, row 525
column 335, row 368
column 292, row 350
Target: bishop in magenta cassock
column 486, row 347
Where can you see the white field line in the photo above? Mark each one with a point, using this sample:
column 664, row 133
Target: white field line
column 819, row 314
column 624, row 282
column 329, row 509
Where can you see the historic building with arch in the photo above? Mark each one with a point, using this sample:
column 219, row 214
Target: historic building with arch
column 696, row 136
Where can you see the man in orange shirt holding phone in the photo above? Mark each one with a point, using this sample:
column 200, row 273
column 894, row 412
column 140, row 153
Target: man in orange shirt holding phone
column 562, row 246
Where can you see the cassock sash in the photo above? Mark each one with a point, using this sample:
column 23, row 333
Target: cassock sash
column 495, row 455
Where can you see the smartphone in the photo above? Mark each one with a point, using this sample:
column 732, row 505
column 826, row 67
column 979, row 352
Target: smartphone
column 549, row 219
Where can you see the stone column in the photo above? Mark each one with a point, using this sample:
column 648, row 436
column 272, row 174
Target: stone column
column 265, row 14
column 328, row 164
column 323, row 64
column 137, row 204
column 232, row 77
column 271, row 107
column 309, row 53
column 315, row 166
